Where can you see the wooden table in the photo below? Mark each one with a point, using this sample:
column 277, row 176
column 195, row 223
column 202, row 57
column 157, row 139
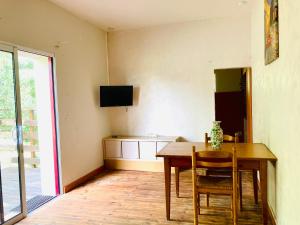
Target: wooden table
column 249, row 157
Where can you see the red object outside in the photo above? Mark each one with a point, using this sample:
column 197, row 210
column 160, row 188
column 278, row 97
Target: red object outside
column 53, row 120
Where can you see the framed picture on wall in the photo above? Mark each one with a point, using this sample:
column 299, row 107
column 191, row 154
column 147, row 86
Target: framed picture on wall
column 271, row 31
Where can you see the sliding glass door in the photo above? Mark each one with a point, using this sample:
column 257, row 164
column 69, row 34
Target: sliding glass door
column 29, row 170
column 39, row 129
column 12, row 190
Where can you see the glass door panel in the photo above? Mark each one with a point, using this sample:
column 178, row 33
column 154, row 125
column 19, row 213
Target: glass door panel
column 10, row 179
column 39, row 133
column 27, row 149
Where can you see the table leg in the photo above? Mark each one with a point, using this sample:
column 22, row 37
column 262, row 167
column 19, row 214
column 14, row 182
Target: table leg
column 167, row 169
column 264, row 190
column 241, row 190
column 255, row 186
column 177, row 170
column 234, row 198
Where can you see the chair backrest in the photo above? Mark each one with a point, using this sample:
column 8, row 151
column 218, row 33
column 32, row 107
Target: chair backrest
column 213, row 159
column 226, row 138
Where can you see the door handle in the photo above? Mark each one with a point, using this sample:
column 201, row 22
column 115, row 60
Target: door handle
column 20, row 137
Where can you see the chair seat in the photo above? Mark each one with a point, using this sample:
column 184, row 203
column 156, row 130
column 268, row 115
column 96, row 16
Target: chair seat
column 207, row 182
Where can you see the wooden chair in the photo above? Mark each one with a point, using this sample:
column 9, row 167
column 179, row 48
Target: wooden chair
column 220, row 172
column 214, row 185
column 235, row 139
column 226, row 138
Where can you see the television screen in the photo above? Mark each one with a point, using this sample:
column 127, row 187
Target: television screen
column 116, row 96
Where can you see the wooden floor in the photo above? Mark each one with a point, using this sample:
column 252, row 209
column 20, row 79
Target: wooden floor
column 130, row 197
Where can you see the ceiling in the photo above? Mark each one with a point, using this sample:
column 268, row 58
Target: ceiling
column 130, row 14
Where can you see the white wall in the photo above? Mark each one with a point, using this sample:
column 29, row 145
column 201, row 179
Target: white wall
column 173, row 67
column 276, row 107
column 81, row 68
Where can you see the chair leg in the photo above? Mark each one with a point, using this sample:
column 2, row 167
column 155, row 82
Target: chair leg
column 234, row 209
column 195, row 196
column 231, row 206
column 177, row 171
column 196, row 208
column 198, row 200
column 241, row 190
column 207, row 199
column 255, row 186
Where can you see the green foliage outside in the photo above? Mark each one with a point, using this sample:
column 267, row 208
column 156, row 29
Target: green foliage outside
column 7, row 91
column 6, row 87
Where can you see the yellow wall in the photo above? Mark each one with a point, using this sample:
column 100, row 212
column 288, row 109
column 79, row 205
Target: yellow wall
column 81, row 68
column 276, row 107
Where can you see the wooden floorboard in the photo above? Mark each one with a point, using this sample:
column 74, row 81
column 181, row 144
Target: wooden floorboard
column 137, row 198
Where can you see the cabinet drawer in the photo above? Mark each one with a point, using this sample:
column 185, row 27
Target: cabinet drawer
column 130, row 149
column 147, row 150
column 113, row 149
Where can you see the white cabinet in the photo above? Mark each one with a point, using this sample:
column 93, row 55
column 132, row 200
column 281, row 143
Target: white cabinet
column 147, row 150
column 159, row 146
column 113, row 149
column 130, row 149
column 135, row 148
column 135, row 152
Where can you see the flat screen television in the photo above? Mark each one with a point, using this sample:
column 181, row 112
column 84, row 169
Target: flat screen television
column 116, row 96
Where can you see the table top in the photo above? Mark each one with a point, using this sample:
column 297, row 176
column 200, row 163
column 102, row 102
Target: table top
column 249, row 151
